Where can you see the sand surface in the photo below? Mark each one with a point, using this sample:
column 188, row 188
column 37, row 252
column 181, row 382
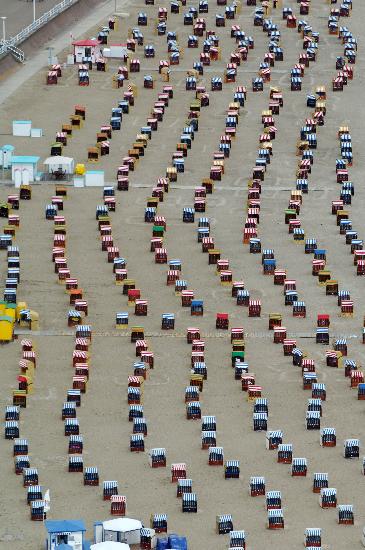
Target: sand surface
column 103, row 415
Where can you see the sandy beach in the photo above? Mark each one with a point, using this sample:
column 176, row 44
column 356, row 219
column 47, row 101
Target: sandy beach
column 103, row 415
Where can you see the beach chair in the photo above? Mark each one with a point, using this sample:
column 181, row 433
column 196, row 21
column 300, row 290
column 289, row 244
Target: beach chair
column 91, row 476
column 274, row 439
column 285, row 453
column 37, row 510
column 328, row 498
column 273, row 500
column 257, row 486
column 312, row 537
column 158, row 522
column 224, row 524
column 232, row 469
column 216, row 456
column 299, row 467
column 345, row 514
column 75, row 463
column 189, row 503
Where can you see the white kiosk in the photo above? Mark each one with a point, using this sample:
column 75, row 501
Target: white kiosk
column 6, row 153
column 65, row 532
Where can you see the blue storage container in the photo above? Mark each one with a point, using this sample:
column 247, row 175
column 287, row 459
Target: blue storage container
column 162, row 544
column 178, row 543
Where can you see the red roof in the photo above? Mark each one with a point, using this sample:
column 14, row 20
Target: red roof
column 86, row 43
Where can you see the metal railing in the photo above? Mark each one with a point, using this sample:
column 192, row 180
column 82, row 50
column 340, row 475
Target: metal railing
column 17, row 53
column 10, row 45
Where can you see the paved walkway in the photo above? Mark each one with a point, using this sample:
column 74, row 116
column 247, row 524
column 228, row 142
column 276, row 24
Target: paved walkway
column 19, row 13
column 39, row 61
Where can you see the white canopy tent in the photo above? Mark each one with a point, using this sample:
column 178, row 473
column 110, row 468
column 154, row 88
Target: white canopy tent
column 125, row 530
column 110, row 545
column 58, row 163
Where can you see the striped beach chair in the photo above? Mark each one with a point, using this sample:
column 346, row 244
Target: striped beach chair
column 91, row 476
column 184, row 486
column 322, row 335
column 346, row 514
column 75, row 444
column 193, row 410
column 299, row 467
column 12, row 412
column 109, row 488
column 328, row 437
column 140, row 426
column 254, row 308
column 208, row 439
column 209, row 423
column 260, row 422
column 74, row 396
column 168, row 321
column 75, row 463
column 313, row 420
column 351, row 448
column 275, row 519
column 232, row 469
column 240, row 369
column 216, row 456
column 312, row 537
column 314, row 404
column 178, row 471
column 328, row 498
column 273, row 500
column 118, row 505
column 320, row 481
column 71, row 426
column 257, row 486
column 288, row 346
column 37, row 512
column 21, row 462
column 224, row 524
column 11, row 429
column 136, row 443
column 285, row 453
column 30, row 477
column 237, row 539
column 157, row 458
column 274, row 438
column 189, row 503
column 68, row 410
column 319, row 391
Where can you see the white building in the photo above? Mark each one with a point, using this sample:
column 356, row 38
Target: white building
column 24, row 169
column 86, row 48
column 22, row 128
column 116, row 51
